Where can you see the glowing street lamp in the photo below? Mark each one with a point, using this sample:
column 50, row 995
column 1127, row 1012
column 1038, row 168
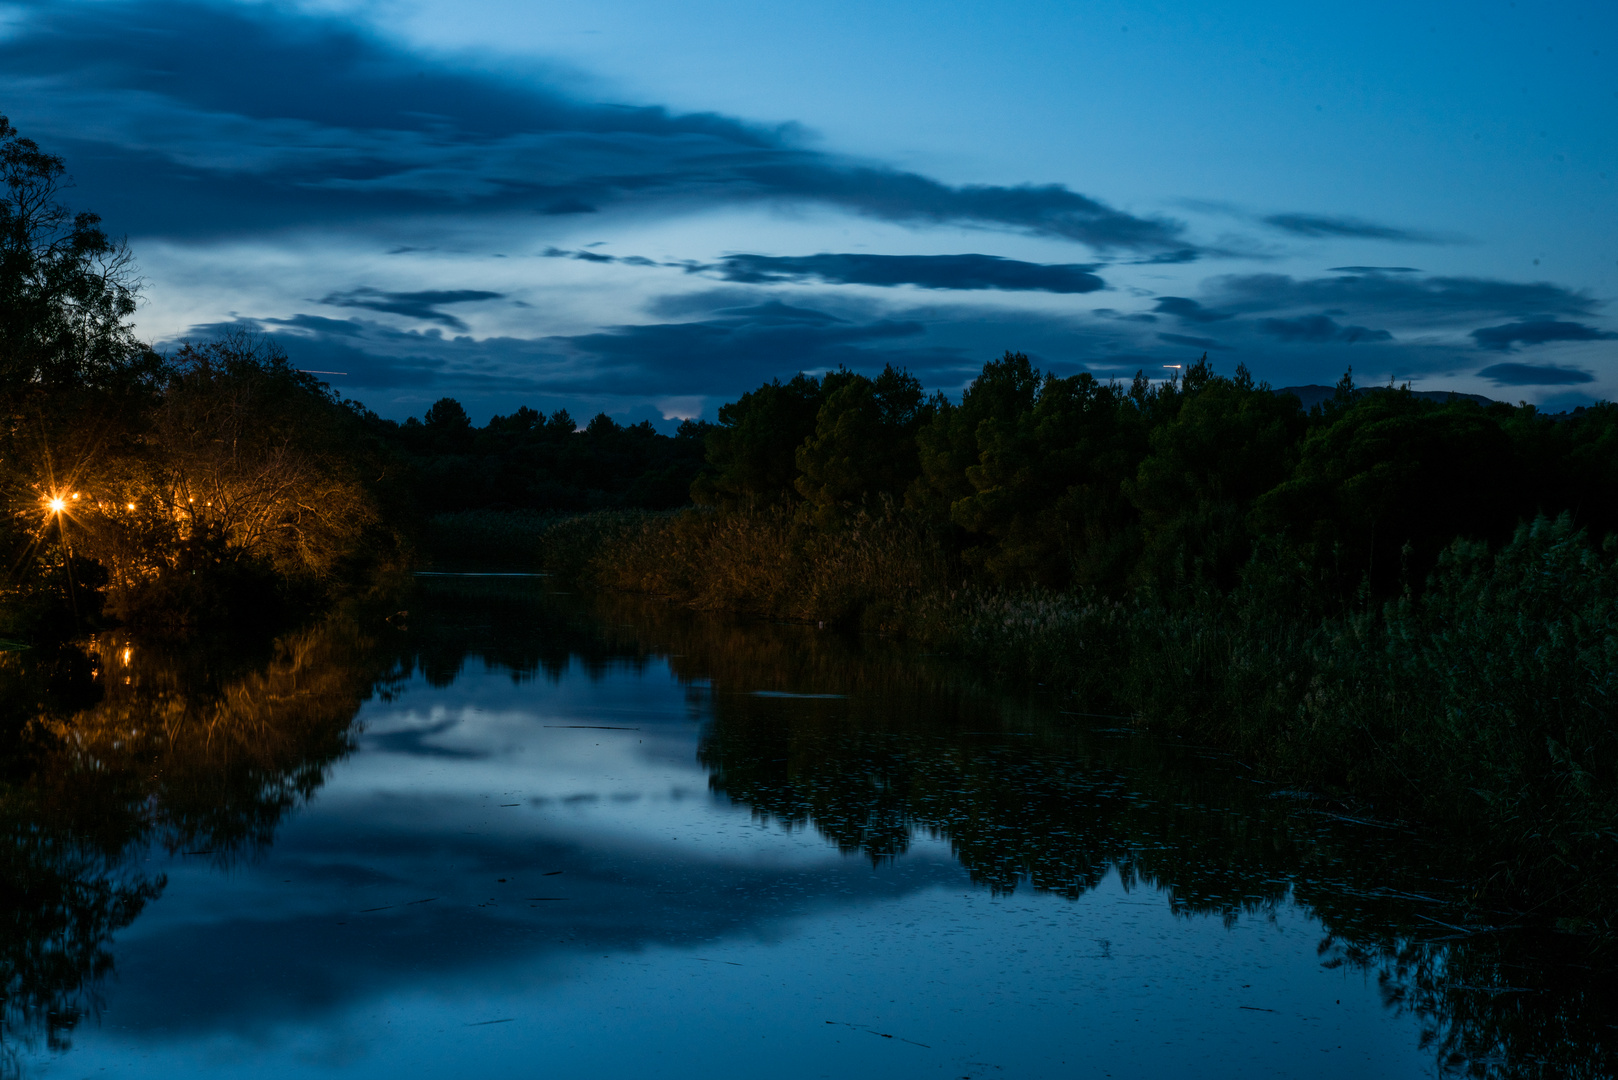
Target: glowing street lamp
column 57, row 505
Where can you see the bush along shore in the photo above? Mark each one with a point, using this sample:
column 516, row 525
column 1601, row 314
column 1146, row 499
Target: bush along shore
column 1411, row 605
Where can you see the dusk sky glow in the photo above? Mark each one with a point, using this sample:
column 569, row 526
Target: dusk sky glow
column 650, row 208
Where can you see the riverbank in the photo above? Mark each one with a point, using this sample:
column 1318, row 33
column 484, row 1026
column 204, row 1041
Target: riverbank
column 1480, row 707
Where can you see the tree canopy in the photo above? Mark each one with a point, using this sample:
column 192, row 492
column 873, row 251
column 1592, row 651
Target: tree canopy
column 1063, row 482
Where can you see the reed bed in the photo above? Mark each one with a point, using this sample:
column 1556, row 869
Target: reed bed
column 874, row 571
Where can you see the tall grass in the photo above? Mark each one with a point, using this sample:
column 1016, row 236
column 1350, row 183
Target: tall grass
column 873, row 571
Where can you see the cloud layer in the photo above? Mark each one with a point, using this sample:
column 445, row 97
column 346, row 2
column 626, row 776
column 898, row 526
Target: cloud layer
column 186, row 119
column 1536, row 332
column 425, row 305
column 1316, row 226
column 786, row 315
column 926, row 271
column 1535, row 375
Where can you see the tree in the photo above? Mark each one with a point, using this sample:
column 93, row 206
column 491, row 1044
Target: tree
column 1382, row 490
column 1228, row 442
column 67, row 289
column 752, row 452
column 947, row 445
column 1047, row 487
column 448, row 414
column 864, row 442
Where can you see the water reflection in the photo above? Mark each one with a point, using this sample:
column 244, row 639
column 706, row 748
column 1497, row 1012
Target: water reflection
column 118, row 757
column 1044, row 801
column 117, row 748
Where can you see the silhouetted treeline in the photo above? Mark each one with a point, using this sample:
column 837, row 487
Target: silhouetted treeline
column 528, row 461
column 1034, row 480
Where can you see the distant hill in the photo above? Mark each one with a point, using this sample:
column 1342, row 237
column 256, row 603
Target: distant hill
column 1315, row 394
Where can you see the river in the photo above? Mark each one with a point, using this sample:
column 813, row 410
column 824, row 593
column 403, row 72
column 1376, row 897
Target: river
column 513, row 832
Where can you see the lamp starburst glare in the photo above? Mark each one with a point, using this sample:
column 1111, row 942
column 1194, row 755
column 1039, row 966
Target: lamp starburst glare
column 57, row 505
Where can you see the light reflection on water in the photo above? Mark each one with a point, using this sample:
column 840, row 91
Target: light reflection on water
column 628, row 841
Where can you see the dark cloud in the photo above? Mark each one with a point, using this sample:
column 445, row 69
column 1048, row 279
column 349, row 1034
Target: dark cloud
column 585, row 256
column 1536, row 332
column 927, row 271
column 1318, row 328
column 1193, row 342
column 318, row 324
column 1434, row 299
column 955, row 272
column 722, row 354
column 1373, row 270
column 1534, row 375
column 1325, row 225
column 422, row 305
column 1183, row 255
column 187, row 118
column 627, row 260
column 1187, row 310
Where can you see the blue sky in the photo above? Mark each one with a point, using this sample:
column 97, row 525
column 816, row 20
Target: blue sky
column 649, row 208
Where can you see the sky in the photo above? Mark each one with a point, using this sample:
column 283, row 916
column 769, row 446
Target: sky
column 647, row 209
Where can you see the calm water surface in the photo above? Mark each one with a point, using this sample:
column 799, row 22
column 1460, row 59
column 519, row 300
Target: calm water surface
column 524, row 835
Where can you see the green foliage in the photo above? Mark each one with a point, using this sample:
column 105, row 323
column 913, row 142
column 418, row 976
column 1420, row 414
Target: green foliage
column 752, row 451
column 948, row 446
column 1382, row 489
column 863, row 444
column 1034, row 480
column 487, row 539
column 1501, row 682
column 1227, row 443
column 1047, row 489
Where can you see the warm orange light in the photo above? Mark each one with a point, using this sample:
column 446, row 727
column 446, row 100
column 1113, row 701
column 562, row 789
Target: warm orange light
column 75, row 496
column 132, row 506
column 56, row 506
